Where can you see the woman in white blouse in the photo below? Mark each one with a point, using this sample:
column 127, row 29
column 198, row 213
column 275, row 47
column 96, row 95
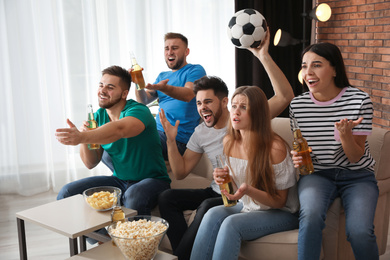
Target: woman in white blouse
column 259, row 163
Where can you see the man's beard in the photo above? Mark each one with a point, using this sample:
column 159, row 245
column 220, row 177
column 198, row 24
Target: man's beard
column 217, row 115
column 109, row 104
column 179, row 63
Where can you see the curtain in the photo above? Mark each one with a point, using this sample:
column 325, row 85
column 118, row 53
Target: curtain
column 280, row 14
column 52, row 53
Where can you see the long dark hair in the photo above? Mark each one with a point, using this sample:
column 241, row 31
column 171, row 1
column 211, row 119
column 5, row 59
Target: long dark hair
column 331, row 53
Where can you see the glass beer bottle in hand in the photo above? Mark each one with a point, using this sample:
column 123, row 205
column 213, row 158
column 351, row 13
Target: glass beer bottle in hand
column 92, row 124
column 300, row 146
column 136, row 73
column 227, row 183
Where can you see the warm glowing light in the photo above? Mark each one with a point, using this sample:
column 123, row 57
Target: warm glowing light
column 277, row 37
column 323, row 12
column 300, row 76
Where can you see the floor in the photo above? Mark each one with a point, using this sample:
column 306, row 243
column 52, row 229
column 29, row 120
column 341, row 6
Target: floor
column 42, row 244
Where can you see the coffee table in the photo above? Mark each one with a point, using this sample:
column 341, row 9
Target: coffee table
column 109, row 251
column 71, row 217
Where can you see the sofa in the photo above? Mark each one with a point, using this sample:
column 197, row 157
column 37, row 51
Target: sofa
column 283, row 245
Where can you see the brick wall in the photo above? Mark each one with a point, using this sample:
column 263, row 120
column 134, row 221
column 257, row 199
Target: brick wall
column 361, row 29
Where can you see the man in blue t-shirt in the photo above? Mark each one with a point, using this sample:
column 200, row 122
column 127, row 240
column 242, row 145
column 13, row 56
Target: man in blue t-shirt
column 127, row 133
column 174, row 91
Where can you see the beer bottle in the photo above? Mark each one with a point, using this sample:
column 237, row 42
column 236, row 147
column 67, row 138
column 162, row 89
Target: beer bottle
column 92, row 125
column 136, row 73
column 227, row 183
column 300, row 146
column 117, row 214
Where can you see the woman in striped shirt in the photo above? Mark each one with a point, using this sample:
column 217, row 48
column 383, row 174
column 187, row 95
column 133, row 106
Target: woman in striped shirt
column 335, row 118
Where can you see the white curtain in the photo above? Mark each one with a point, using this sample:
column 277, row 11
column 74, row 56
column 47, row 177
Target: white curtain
column 51, row 56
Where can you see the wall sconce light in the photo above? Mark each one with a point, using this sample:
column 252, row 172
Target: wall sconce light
column 283, row 38
column 321, row 13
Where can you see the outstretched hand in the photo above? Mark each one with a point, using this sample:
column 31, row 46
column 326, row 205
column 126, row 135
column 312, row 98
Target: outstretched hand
column 170, row 130
column 159, row 86
column 68, row 136
column 345, row 126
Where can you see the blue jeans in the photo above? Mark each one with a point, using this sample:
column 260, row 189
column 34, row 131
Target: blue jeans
column 139, row 195
column 358, row 191
column 163, row 139
column 222, row 229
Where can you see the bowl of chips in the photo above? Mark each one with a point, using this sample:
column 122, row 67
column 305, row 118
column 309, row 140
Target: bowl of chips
column 138, row 237
column 102, row 198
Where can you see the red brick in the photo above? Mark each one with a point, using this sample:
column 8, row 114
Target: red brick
column 357, row 42
column 365, row 50
column 376, row 99
column 352, row 49
column 382, row 20
column 365, row 36
column 374, row 14
column 355, row 69
column 342, row 17
column 341, row 30
column 366, row 8
column 382, row 6
column 381, row 79
column 356, row 83
column 381, row 93
column 375, row 57
column 364, row 63
column 377, row 113
column 341, row 43
column 377, row 43
column 357, row 2
column 383, row 36
column 356, row 56
column 386, row 73
column 386, row 101
column 348, row 62
column 365, row 22
column 358, row 29
column 383, row 65
column 376, row 28
column 373, row 71
column 383, row 50
column 349, row 36
column 365, row 77
column 349, row 9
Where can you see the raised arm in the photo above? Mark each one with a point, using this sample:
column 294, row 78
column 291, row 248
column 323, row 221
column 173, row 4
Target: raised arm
column 282, row 88
column 124, row 128
column 181, row 166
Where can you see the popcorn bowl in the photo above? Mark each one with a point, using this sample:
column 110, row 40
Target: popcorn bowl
column 138, row 237
column 102, row 198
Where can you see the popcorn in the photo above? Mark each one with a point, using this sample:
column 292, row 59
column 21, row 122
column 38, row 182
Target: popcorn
column 139, row 239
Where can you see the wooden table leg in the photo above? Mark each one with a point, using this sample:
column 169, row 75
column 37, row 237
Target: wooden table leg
column 22, row 239
column 73, row 246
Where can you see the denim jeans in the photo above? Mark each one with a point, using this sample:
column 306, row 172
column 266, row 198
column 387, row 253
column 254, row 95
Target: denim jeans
column 358, row 191
column 172, row 203
column 223, row 228
column 139, row 195
column 163, row 139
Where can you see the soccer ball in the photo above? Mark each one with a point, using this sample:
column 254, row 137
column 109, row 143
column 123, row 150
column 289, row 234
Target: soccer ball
column 247, row 28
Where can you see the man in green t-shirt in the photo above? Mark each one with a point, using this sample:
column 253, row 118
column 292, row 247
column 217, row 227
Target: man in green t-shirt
column 127, row 132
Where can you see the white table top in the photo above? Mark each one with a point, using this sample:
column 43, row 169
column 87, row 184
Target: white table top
column 71, row 217
column 109, row 251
